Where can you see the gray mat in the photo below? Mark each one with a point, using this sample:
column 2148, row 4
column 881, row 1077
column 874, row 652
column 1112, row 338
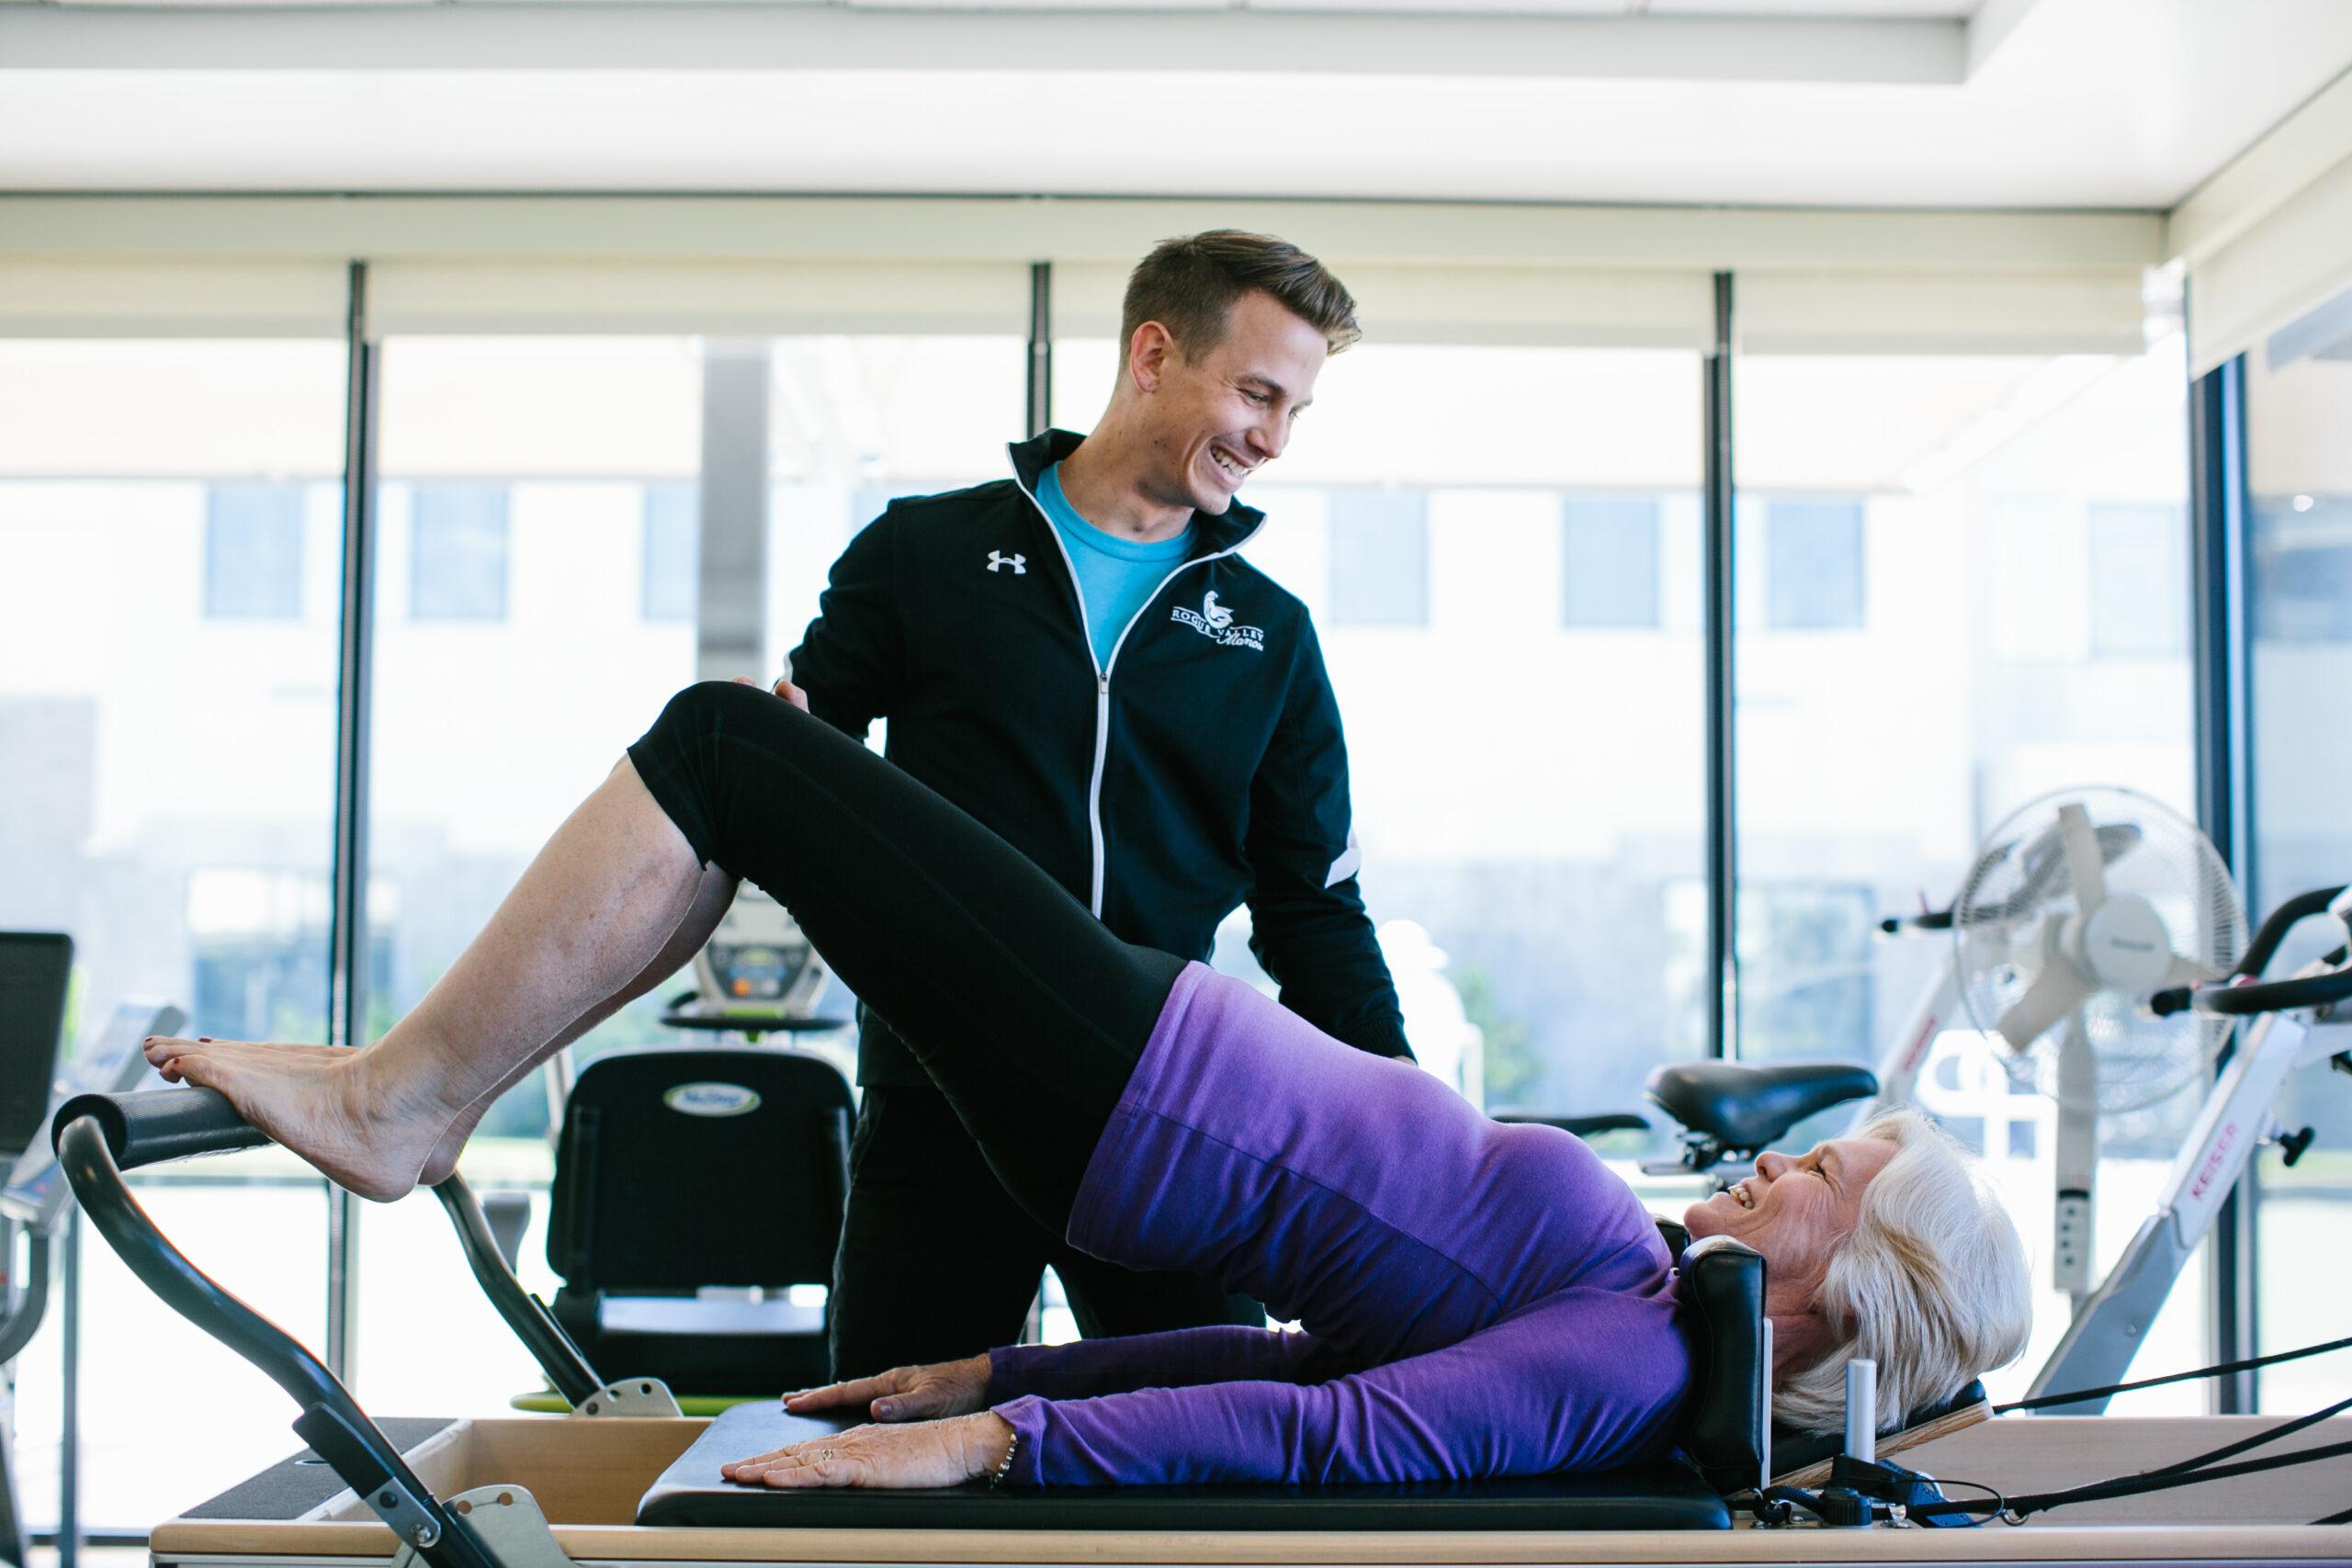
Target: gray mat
column 292, row 1487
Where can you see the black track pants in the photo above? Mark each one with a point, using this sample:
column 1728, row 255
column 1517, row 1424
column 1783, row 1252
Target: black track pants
column 1027, row 1013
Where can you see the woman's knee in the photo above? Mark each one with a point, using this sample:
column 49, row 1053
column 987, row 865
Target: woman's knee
column 709, row 709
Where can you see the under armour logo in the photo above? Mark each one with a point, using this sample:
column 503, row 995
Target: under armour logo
column 1020, row 564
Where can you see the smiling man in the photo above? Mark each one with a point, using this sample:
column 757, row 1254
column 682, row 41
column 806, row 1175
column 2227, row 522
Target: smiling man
column 1079, row 658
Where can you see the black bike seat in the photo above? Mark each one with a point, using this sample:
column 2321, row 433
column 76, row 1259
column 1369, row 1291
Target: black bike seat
column 1743, row 1106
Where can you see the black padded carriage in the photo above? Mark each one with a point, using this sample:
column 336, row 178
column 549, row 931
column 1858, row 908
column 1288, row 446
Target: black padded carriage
column 1720, row 1432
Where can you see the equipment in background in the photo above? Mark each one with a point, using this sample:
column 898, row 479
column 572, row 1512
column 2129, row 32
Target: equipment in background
column 2098, row 936
column 662, row 1273
column 2057, row 945
column 36, row 973
column 2078, row 907
column 756, row 974
column 2297, row 1023
column 667, row 1271
column 36, row 970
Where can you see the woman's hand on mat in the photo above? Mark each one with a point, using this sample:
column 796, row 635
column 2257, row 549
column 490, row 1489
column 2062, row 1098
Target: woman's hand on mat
column 904, row 1394
column 782, row 688
column 928, row 1453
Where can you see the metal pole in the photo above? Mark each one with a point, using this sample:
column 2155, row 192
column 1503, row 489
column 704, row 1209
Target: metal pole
column 347, row 959
column 69, row 1444
column 2218, row 499
column 1723, row 853
column 1041, row 347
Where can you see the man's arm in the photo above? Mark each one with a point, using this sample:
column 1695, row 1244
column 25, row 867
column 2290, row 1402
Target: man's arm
column 853, row 657
column 1307, row 923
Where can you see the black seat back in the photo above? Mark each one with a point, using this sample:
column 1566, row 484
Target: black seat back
column 1722, row 1423
column 661, row 1152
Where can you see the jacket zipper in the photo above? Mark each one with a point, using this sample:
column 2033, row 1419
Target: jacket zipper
column 1103, row 676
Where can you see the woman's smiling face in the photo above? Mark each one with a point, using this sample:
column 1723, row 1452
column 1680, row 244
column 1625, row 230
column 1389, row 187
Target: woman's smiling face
column 1796, row 1209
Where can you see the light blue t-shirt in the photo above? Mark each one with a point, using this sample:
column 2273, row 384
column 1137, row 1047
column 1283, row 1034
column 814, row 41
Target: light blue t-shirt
column 1114, row 576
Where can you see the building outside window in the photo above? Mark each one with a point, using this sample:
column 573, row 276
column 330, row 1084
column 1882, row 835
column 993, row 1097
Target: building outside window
column 1380, row 559
column 672, row 521
column 1813, row 567
column 457, row 553
column 2139, row 581
column 1609, row 548
column 252, row 552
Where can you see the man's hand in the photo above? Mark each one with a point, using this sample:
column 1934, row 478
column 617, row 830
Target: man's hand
column 904, row 1394
column 782, row 688
column 928, row 1453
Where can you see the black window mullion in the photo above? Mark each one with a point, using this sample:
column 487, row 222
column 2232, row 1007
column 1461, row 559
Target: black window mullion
column 355, row 703
column 1723, row 863
column 2218, row 503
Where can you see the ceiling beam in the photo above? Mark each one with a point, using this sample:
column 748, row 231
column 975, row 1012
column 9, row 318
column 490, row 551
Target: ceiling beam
column 1222, row 42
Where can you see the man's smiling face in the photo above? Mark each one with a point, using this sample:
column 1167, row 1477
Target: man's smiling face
column 1218, row 414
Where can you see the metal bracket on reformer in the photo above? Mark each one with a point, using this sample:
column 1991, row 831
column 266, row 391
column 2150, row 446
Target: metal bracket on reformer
column 509, row 1523
column 633, row 1398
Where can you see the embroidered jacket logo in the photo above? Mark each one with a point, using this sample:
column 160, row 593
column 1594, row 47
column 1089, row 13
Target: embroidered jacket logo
column 1020, row 564
column 1213, row 621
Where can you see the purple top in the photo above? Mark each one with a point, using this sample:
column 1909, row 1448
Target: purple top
column 1478, row 1298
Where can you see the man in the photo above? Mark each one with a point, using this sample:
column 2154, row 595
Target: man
column 1079, row 658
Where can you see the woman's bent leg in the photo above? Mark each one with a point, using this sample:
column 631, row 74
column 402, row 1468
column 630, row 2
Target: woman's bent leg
column 1027, row 1013
column 712, row 896
column 590, row 913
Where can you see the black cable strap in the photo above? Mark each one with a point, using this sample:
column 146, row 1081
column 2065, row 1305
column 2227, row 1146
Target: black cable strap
column 2133, row 1486
column 2268, row 1435
column 2214, row 1372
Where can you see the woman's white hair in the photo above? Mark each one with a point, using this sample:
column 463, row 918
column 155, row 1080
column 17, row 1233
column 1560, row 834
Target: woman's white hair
column 1933, row 1285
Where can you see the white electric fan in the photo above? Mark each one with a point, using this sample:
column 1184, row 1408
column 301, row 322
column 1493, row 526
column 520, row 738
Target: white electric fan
column 2081, row 905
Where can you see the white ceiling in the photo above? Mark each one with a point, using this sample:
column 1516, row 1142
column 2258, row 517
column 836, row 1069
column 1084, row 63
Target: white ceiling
column 2047, row 104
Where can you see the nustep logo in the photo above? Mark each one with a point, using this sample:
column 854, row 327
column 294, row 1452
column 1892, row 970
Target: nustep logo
column 711, row 1099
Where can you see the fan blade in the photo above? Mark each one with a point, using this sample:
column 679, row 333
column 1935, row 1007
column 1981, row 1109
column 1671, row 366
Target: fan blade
column 2186, row 971
column 2085, row 863
column 2055, row 992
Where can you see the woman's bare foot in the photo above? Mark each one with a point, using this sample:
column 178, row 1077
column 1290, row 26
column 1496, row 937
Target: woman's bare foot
column 442, row 1163
column 322, row 1101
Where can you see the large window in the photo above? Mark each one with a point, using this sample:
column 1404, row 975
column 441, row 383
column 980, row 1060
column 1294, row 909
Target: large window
column 2298, row 413
column 169, row 513
column 516, row 656
column 1962, row 584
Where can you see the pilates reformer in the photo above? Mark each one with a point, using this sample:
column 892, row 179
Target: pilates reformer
column 538, row 1493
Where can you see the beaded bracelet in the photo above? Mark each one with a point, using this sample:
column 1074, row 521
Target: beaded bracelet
column 1005, row 1469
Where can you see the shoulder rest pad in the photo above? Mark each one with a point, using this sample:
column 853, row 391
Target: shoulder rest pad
column 1721, row 1424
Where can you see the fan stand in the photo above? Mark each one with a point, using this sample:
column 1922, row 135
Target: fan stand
column 2077, row 1164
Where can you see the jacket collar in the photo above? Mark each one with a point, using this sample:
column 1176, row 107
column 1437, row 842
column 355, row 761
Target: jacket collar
column 1211, row 535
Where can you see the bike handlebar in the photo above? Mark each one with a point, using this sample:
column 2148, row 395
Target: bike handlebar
column 2247, row 995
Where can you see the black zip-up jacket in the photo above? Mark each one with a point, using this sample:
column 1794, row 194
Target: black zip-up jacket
column 1203, row 769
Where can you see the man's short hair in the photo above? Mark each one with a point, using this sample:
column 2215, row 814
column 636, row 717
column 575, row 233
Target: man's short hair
column 1189, row 285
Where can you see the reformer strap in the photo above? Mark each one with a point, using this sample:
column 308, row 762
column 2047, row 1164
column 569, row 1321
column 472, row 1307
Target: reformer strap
column 2016, row 1509
column 2222, row 1370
